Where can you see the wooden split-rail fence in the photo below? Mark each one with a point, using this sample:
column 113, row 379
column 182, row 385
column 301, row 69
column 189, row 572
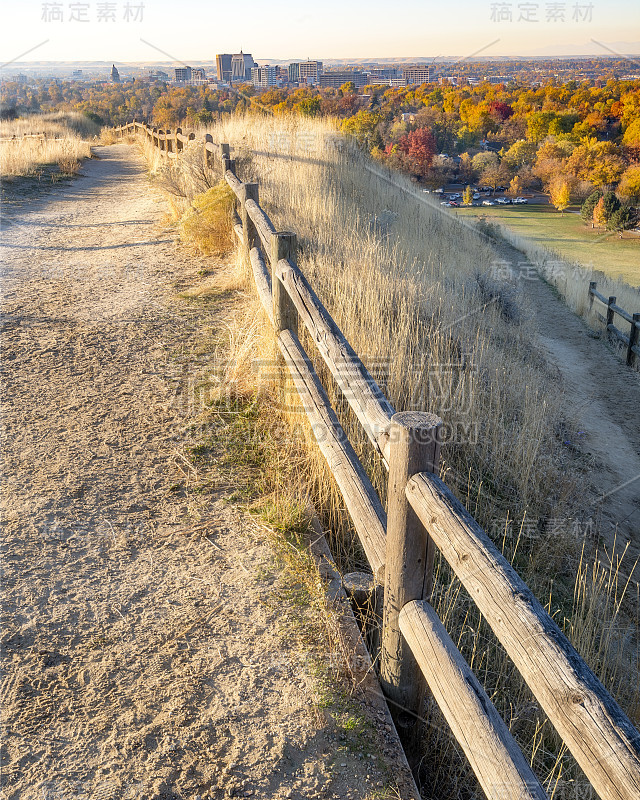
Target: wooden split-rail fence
column 632, row 341
column 20, row 137
column 423, row 514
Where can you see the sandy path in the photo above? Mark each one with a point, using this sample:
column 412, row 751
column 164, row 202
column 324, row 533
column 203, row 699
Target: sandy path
column 603, row 395
column 143, row 655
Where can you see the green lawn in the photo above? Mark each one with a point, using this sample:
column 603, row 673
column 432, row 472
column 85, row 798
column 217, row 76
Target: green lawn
column 568, row 236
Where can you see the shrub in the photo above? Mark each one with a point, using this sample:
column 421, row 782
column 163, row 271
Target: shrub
column 207, row 223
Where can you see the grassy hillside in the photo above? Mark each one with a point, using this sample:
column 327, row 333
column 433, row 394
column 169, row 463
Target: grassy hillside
column 568, row 236
column 59, row 152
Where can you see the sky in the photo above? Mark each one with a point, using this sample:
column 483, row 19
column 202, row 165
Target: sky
column 166, row 30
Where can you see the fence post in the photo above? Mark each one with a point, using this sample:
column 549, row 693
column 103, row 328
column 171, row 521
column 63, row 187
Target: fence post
column 610, row 311
column 225, row 157
column 179, row 144
column 592, row 288
column 283, row 245
column 415, row 447
column 248, row 191
column 633, row 340
column 208, row 139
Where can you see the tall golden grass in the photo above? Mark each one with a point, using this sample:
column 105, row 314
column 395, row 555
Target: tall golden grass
column 416, row 296
column 63, row 143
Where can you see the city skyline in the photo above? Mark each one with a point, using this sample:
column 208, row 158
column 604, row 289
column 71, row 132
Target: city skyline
column 130, row 31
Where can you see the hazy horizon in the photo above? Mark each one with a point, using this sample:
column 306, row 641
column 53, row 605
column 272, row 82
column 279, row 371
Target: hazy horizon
column 153, row 31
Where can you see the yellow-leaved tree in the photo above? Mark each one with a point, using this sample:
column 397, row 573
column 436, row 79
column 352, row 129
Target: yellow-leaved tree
column 560, row 194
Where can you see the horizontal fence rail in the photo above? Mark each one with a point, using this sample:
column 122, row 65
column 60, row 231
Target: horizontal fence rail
column 422, row 515
column 632, row 341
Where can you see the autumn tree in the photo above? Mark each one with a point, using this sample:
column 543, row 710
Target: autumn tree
column 600, row 163
column 362, row 126
column 467, row 196
column 515, row 187
column 604, row 209
column 495, row 175
column 519, row 154
column 629, row 186
column 418, row 148
column 560, row 194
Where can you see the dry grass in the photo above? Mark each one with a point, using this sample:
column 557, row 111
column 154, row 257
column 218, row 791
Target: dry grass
column 206, row 225
column 409, row 286
column 61, row 145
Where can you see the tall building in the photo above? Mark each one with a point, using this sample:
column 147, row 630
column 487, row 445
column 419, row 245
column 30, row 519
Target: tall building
column 223, row 67
column 198, row 74
column 417, row 75
column 294, row 72
column 115, row 75
column 310, row 71
column 183, row 74
column 241, row 66
column 336, row 79
column 263, row 76
column 383, row 73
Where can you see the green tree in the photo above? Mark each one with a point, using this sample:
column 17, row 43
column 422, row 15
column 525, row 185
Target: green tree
column 309, row 107
column 362, row 127
column 586, row 210
column 622, row 219
column 605, row 208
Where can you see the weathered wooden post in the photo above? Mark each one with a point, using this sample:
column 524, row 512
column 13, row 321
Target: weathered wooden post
column 610, row 311
column 284, row 245
column 225, row 157
column 208, row 139
column 592, row 288
column 248, row 191
column 415, row 439
column 633, row 341
column 179, row 143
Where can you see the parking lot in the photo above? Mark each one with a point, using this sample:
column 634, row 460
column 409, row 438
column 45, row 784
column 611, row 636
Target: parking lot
column 451, row 196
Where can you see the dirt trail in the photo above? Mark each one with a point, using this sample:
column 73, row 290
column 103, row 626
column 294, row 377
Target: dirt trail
column 603, row 395
column 144, row 656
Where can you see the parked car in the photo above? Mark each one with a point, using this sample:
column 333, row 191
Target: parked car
column 521, row 200
column 476, row 196
column 504, row 201
column 445, row 203
column 488, row 202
